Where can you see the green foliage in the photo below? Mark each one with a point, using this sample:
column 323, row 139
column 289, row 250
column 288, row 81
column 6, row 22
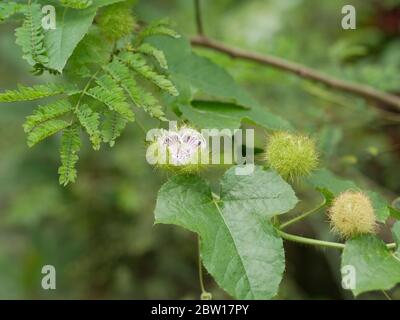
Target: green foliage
column 237, row 246
column 157, row 28
column 112, row 127
column 33, row 93
column 45, row 130
column 76, row 4
column 151, row 51
column 220, row 115
column 89, row 120
column 30, row 37
column 47, row 112
column 109, row 93
column 101, row 107
column 72, row 25
column 396, row 237
column 8, row 9
column 136, row 93
column 138, row 64
column 70, row 146
column 116, row 21
column 376, row 267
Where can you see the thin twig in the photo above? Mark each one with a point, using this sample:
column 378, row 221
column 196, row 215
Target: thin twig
column 199, row 19
column 362, row 90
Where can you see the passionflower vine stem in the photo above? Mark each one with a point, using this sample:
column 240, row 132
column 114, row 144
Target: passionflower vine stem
column 205, row 295
column 302, row 216
column 315, row 242
column 320, row 243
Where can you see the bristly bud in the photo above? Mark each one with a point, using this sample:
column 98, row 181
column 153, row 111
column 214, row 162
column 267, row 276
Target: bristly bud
column 352, row 214
column 116, row 21
column 293, row 156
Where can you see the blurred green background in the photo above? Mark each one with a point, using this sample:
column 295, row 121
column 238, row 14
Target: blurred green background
column 99, row 232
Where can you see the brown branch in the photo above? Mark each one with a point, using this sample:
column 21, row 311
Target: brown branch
column 365, row 91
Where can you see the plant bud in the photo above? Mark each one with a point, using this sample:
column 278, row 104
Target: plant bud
column 352, row 214
column 292, row 156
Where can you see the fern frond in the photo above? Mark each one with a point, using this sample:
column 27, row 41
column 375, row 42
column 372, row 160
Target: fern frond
column 70, row 146
column 112, row 126
column 152, row 106
column 47, row 112
column 76, row 4
column 157, row 28
column 8, row 9
column 30, row 36
column 157, row 54
column 138, row 64
column 45, row 130
column 108, row 92
column 122, row 75
column 36, row 92
column 89, row 120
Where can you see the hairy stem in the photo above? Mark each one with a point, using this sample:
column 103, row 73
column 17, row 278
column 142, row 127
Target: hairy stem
column 302, row 216
column 365, row 91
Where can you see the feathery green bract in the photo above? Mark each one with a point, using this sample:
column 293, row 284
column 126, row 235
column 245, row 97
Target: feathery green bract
column 151, row 105
column 8, row 9
column 70, row 146
column 137, row 63
column 30, row 37
column 124, row 77
column 47, row 112
column 108, row 92
column 89, row 120
column 157, row 28
column 76, row 4
column 32, row 93
column 45, row 130
column 157, row 54
column 112, row 127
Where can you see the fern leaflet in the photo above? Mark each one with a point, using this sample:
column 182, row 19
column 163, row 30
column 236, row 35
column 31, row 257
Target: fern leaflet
column 112, row 127
column 36, row 92
column 157, row 54
column 138, row 64
column 47, row 112
column 90, row 122
column 70, row 146
column 122, row 75
column 109, row 93
column 30, row 37
column 45, row 130
column 157, row 28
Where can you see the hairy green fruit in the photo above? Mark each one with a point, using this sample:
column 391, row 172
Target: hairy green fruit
column 292, row 156
column 352, row 214
column 116, row 21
